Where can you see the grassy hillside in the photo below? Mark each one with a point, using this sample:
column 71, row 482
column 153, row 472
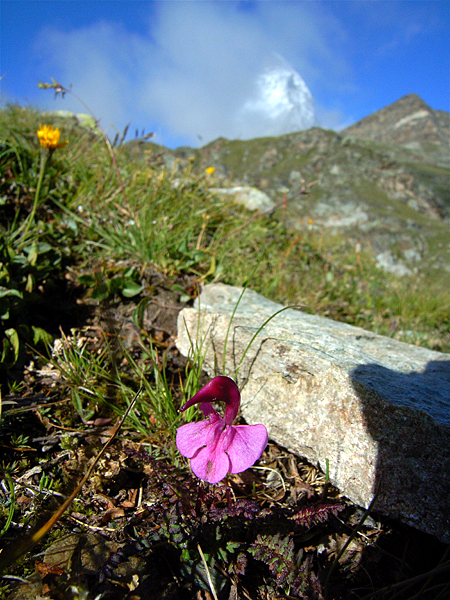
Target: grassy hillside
column 98, row 253
column 106, row 222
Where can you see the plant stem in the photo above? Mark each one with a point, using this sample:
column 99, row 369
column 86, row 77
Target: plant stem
column 12, row 506
column 29, row 220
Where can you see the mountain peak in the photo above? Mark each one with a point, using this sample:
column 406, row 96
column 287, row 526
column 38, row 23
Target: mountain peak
column 409, row 121
column 282, row 103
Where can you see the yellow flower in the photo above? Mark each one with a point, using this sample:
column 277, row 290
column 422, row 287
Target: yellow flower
column 49, row 137
column 210, row 170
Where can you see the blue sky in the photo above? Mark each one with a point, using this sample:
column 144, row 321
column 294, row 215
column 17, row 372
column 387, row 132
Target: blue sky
column 184, row 69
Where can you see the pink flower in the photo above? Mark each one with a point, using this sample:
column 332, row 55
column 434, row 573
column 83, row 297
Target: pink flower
column 215, row 446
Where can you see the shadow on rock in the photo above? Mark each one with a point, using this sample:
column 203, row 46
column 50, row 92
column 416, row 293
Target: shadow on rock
column 408, row 416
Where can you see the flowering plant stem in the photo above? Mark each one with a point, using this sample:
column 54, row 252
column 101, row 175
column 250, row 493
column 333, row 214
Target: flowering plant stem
column 60, row 89
column 29, row 220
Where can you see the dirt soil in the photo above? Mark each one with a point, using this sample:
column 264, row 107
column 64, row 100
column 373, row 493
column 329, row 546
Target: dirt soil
column 109, row 544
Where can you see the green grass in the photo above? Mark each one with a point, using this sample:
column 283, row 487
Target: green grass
column 88, row 215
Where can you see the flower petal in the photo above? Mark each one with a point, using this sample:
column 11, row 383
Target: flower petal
column 219, row 389
column 211, row 464
column 247, row 446
column 193, row 436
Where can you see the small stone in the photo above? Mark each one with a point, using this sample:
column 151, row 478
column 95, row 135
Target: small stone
column 250, row 197
column 386, row 261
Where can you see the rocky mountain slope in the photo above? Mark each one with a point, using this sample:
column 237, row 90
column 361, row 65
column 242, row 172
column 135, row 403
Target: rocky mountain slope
column 409, row 122
column 384, row 181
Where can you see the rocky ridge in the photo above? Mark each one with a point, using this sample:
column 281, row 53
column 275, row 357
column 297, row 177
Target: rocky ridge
column 384, row 182
column 409, row 122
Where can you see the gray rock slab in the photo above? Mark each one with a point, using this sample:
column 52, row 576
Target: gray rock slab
column 250, row 197
column 377, row 410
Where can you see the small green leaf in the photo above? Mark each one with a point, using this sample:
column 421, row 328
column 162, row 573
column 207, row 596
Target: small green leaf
column 7, row 292
column 131, row 288
column 139, row 312
column 71, row 224
column 101, row 292
column 89, row 280
column 33, row 254
column 40, row 335
column 129, row 273
column 186, row 556
column 4, row 359
column 231, row 546
column 13, row 337
column 223, row 555
column 10, row 343
column 44, row 247
column 4, row 308
column 183, row 247
column 31, row 282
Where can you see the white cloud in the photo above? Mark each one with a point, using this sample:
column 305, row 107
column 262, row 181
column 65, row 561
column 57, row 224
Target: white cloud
column 197, row 66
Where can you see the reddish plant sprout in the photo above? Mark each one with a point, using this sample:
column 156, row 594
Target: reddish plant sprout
column 215, row 446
